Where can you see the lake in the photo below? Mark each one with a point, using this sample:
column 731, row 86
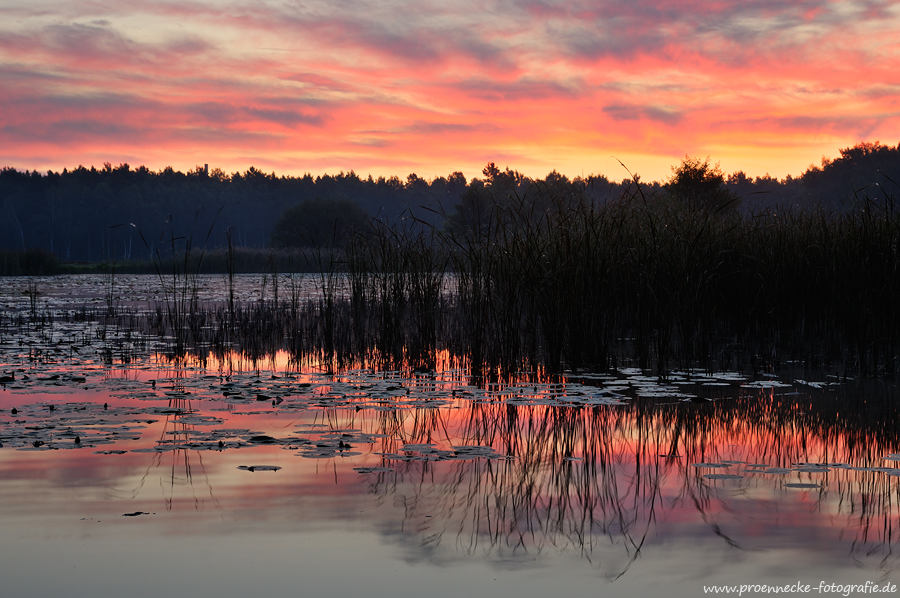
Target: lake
column 135, row 472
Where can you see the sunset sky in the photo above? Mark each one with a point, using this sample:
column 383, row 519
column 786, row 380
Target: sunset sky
column 390, row 87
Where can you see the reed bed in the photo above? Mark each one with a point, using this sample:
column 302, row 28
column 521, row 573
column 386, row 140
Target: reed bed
column 652, row 282
column 649, row 281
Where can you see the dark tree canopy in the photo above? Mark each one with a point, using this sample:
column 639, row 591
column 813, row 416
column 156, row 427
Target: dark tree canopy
column 868, row 170
column 77, row 214
column 318, row 223
column 700, row 184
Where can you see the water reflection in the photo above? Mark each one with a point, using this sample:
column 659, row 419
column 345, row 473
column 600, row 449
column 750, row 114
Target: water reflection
column 597, row 481
column 180, row 468
column 509, row 470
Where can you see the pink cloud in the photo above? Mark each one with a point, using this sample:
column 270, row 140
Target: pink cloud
column 430, row 86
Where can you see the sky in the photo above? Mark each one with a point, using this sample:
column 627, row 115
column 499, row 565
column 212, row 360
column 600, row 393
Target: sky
column 392, row 87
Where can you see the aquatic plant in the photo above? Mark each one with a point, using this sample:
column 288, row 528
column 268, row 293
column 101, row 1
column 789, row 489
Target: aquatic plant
column 558, row 281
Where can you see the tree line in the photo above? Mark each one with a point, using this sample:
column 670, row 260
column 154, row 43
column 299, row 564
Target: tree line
column 125, row 213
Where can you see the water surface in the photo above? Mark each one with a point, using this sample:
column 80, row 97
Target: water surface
column 231, row 476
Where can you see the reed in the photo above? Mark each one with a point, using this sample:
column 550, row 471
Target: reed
column 650, row 280
column 562, row 282
column 645, row 280
column 230, row 268
column 33, row 292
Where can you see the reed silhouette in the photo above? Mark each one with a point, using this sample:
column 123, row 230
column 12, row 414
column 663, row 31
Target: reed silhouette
column 599, row 481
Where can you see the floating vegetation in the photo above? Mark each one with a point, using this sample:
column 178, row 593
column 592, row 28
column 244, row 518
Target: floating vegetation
column 563, row 458
column 373, row 469
column 199, row 420
column 430, row 453
column 259, row 467
column 765, row 384
column 181, row 399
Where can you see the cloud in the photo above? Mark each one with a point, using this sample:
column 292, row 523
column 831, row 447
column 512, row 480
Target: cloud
column 319, row 81
column 96, row 50
column 287, row 118
column 441, row 86
column 442, row 127
column 623, row 112
column 525, row 88
column 859, row 127
column 371, row 142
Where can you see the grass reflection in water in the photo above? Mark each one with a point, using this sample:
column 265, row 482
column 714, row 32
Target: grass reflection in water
column 598, row 480
column 458, row 462
column 504, row 469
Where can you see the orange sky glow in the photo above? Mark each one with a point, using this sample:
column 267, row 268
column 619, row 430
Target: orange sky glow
column 400, row 86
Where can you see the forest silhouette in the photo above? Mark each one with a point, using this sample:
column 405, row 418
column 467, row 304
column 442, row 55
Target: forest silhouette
column 76, row 215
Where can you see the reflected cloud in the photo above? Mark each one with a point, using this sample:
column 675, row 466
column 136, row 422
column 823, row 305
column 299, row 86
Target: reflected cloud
column 604, row 483
column 450, row 462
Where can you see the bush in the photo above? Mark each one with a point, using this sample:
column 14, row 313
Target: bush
column 700, row 185
column 30, row 262
column 318, row 223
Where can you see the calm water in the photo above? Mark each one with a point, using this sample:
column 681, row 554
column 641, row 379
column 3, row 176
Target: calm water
column 233, row 478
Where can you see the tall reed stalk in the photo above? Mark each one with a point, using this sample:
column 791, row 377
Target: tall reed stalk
column 562, row 282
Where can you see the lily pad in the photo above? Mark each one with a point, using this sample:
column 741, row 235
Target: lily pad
column 259, row 467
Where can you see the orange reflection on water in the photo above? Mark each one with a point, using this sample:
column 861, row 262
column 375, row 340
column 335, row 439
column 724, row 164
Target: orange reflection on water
column 601, row 480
